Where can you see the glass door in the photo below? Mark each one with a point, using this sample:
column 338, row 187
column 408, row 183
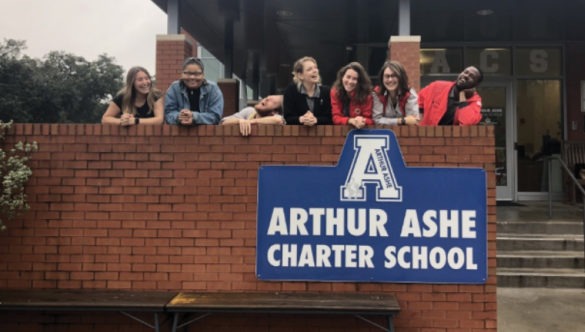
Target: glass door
column 539, row 132
column 497, row 110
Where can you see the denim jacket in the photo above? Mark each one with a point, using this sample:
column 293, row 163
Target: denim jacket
column 210, row 103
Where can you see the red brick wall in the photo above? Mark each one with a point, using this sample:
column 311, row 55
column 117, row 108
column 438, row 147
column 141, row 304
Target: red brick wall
column 169, row 208
column 230, row 88
column 406, row 50
column 171, row 52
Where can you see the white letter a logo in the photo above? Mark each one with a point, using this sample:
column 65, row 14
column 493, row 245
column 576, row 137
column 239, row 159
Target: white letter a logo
column 371, row 165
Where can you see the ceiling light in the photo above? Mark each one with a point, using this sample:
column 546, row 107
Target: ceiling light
column 284, row 13
column 484, row 12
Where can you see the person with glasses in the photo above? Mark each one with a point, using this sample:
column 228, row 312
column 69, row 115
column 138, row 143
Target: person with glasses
column 396, row 102
column 137, row 103
column 193, row 100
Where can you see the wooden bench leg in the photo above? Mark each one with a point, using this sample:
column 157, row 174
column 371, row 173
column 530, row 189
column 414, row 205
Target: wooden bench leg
column 177, row 319
column 155, row 326
column 390, row 323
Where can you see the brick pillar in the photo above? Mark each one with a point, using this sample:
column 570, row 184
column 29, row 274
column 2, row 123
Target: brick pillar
column 230, row 88
column 406, row 50
column 171, row 51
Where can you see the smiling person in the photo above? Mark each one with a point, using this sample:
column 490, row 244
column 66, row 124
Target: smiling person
column 193, row 100
column 266, row 111
column 306, row 101
column 396, row 102
column 351, row 97
column 456, row 103
column 137, row 103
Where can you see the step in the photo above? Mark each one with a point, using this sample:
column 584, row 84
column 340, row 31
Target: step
column 539, row 211
column 547, row 242
column 550, row 278
column 540, row 227
column 540, row 259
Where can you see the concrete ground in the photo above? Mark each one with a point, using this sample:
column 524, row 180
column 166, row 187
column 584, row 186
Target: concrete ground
column 541, row 309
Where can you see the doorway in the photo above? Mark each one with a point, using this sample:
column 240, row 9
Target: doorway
column 539, row 134
column 526, row 115
column 497, row 110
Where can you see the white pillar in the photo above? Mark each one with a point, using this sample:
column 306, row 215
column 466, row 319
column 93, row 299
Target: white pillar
column 404, row 18
column 173, row 25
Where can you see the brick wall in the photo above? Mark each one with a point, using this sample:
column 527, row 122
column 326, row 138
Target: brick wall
column 230, row 88
column 169, row 208
column 406, row 50
column 171, row 52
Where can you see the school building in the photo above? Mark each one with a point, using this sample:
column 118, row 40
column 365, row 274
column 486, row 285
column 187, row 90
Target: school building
column 530, row 51
column 123, row 220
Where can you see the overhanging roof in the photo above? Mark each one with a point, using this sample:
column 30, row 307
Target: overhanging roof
column 269, row 35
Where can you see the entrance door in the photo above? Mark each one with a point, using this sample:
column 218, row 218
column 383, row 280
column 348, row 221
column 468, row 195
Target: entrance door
column 538, row 134
column 497, row 110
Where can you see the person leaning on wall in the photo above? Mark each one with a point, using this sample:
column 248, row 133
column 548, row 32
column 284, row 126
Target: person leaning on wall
column 396, row 103
column 351, row 97
column 193, row 100
column 456, row 103
column 266, row 111
column 138, row 102
column 306, row 101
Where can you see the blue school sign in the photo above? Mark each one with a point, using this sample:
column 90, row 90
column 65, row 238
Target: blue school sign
column 372, row 219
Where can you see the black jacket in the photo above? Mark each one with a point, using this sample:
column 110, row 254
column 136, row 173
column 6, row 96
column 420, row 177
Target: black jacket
column 295, row 105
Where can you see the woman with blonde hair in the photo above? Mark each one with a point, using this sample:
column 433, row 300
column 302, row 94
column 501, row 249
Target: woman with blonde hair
column 306, row 101
column 138, row 102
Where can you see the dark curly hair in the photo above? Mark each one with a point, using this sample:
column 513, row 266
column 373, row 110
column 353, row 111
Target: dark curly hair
column 363, row 87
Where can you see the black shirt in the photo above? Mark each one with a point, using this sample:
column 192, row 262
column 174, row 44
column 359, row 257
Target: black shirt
column 295, row 105
column 452, row 104
column 141, row 112
column 194, row 99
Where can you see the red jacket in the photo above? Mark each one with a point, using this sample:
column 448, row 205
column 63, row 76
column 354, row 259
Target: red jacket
column 355, row 109
column 433, row 98
column 384, row 100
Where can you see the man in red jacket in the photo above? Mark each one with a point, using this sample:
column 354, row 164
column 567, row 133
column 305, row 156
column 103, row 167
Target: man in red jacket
column 456, row 103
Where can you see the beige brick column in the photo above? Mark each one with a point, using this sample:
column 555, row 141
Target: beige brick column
column 406, row 50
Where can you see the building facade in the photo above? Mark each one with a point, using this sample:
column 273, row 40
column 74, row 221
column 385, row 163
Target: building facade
column 529, row 51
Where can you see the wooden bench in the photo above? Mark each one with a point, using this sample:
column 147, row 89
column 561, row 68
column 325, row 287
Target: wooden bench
column 358, row 305
column 124, row 302
column 182, row 306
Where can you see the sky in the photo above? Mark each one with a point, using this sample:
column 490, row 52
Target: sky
column 123, row 29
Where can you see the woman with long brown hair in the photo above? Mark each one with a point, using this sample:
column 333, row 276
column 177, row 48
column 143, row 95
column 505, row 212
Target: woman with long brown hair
column 351, row 97
column 138, row 102
column 396, row 102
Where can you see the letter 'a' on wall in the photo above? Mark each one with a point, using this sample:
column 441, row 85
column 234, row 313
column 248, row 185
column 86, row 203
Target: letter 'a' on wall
column 372, row 219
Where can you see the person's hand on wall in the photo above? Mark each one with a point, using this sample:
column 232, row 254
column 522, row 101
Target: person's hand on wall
column 358, row 122
column 245, row 127
column 308, row 119
column 186, row 117
column 411, row 120
column 127, row 120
